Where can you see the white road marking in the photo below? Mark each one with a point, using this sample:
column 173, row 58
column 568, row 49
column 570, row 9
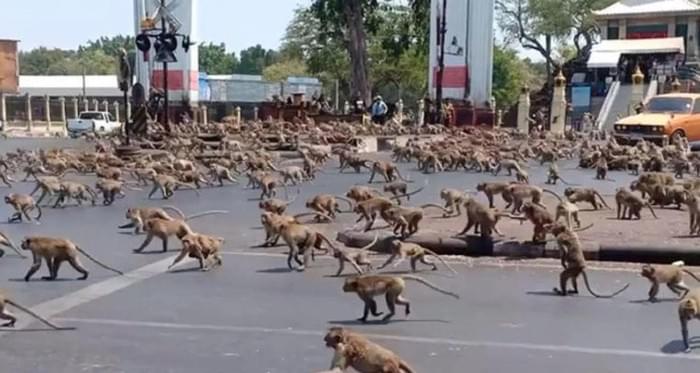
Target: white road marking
column 410, row 339
column 95, row 291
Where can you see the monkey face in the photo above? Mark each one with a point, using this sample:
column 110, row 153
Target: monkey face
column 8, row 198
column 569, row 191
column 350, row 285
column 647, row 271
column 333, row 337
column 25, row 244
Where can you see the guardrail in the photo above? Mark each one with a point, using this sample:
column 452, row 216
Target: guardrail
column 607, row 105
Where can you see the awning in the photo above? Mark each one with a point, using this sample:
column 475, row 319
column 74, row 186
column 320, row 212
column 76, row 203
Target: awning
column 602, row 60
column 641, row 46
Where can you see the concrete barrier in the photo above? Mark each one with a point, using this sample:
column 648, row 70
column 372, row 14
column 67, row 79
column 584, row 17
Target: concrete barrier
column 469, row 245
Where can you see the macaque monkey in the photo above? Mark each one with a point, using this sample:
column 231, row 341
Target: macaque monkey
column 23, row 205
column 359, row 193
column 589, row 195
column 397, row 188
column 454, row 199
column 688, row 309
column 269, row 184
column 517, row 193
column 137, row 215
column 327, row 204
column 567, row 210
column 55, row 251
column 354, row 350
column 388, row 170
column 509, row 165
column 273, row 223
column 480, row 217
column 416, row 252
column 302, row 240
column 111, row 189
column 77, row 191
column 601, row 169
column 369, row 209
column 370, row 286
column 5, row 178
column 492, row 189
column 539, row 217
column 295, row 174
column 671, row 275
column 630, row 204
column 275, row 205
column 202, row 247
column 5, row 314
column 553, row 175
column 692, row 200
column 167, row 185
column 407, row 219
column 573, row 261
column 166, row 227
column 522, row 177
column 355, row 163
column 111, row 173
column 220, row 173
column 356, row 258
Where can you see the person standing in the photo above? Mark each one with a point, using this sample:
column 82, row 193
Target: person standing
column 379, row 110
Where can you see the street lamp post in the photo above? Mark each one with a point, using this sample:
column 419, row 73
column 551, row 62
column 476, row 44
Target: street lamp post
column 442, row 30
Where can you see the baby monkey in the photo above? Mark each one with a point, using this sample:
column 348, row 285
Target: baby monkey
column 671, row 275
column 202, row 247
column 368, row 287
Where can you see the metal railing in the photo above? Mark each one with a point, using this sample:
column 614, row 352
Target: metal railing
column 607, row 105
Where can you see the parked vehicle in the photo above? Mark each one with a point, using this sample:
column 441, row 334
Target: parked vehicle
column 100, row 122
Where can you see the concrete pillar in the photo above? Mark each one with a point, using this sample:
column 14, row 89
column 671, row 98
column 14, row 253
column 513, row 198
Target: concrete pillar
column 128, row 110
column 105, row 106
column 672, row 28
column 205, row 115
column 558, row 111
column 30, row 120
column 47, row 111
column 623, row 29
column 76, row 111
column 116, row 111
column 499, row 118
column 420, row 115
column 692, row 50
column 637, row 95
column 85, row 105
column 346, row 108
column 3, row 109
column 95, row 105
column 62, row 101
column 399, row 110
column 238, row 115
column 604, row 30
column 256, row 113
column 280, row 114
column 523, row 121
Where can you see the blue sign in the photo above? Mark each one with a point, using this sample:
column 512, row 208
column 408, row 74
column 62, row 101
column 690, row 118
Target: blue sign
column 581, row 96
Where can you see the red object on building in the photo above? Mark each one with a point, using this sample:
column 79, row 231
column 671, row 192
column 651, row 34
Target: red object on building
column 453, row 77
column 9, row 69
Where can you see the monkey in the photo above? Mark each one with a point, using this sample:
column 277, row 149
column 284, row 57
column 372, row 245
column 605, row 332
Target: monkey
column 50, row 186
column 220, row 173
column 23, row 204
column 5, row 314
column 522, row 177
column 553, row 175
column 369, row 209
column 201, row 247
column 688, row 309
column 630, row 204
column 454, row 199
column 40, row 184
column 273, row 223
column 407, row 218
column 143, row 175
column 517, row 193
column 254, row 178
column 55, row 251
column 566, row 209
column 275, row 205
column 354, row 350
column 589, row 195
column 397, row 188
column 111, row 173
column 573, row 261
column 355, row 163
column 137, row 215
column 491, row 189
column 295, row 174
column 480, row 217
column 5, row 178
column 77, row 191
column 369, row 286
column 327, row 204
column 167, row 185
column 539, row 217
column 359, row 193
column 692, row 200
column 7, row 242
column 269, row 184
column 671, row 275
column 509, row 165
column 601, row 169
column 356, row 258
column 680, row 166
column 301, row 240
column 34, row 170
column 111, row 189
column 164, row 228
column 388, row 170
column 635, row 166
column 193, row 177
column 415, row 252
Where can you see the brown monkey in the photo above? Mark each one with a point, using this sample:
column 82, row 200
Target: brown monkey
column 201, row 247
column 368, row 287
column 397, row 188
column 491, row 189
column 167, row 185
column 522, row 177
column 388, row 170
column 302, row 240
column 566, row 209
column 269, row 184
column 55, row 251
column 111, row 173
column 23, row 204
column 220, row 173
column 355, row 351
column 553, row 175
column 111, row 189
column 327, row 204
column 573, row 261
column 5, row 314
column 77, row 191
column 630, row 204
column 517, row 193
column 692, row 200
column 416, row 253
column 590, row 195
column 509, row 165
column 601, row 169
column 359, row 193
column 480, row 217
column 454, row 199
column 138, row 215
column 275, row 205
column 539, row 217
column 356, row 258
column 273, row 223
column 369, row 209
column 163, row 228
column 407, row 218
column 688, row 309
column 671, row 275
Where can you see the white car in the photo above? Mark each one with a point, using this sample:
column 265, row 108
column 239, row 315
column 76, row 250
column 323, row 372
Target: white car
column 100, row 122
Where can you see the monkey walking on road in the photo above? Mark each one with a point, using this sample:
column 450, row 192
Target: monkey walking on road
column 671, row 275
column 5, row 314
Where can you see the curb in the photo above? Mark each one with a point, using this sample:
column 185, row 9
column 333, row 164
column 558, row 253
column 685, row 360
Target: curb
column 478, row 246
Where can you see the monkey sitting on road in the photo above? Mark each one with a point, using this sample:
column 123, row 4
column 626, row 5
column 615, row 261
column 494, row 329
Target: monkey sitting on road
column 202, row 247
column 354, row 350
column 5, row 314
column 23, row 204
column 368, row 287
column 671, row 275
column 356, row 258
column 416, row 252
column 55, row 251
column 573, row 261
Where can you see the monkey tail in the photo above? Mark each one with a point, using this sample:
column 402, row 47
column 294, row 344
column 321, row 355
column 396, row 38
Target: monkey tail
column 554, row 194
column 315, row 213
column 12, row 245
column 602, row 200
column 566, row 182
column 398, row 173
column 351, row 204
column 38, row 209
column 374, row 241
column 430, row 285
column 98, row 262
column 691, row 274
column 205, row 213
column 652, row 210
column 588, row 286
column 431, row 252
column 427, row 205
column 289, row 202
column 324, row 238
column 36, row 316
column 176, row 210
column 589, row 226
column 405, row 367
column 407, row 194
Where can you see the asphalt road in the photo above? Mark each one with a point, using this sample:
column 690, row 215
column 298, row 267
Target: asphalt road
column 253, row 315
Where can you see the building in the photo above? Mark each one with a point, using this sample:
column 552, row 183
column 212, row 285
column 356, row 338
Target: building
column 9, row 66
column 99, row 86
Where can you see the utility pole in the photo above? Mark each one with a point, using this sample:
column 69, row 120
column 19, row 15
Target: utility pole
column 166, row 103
column 442, row 30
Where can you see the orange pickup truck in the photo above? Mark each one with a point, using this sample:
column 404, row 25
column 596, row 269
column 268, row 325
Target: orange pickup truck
column 664, row 118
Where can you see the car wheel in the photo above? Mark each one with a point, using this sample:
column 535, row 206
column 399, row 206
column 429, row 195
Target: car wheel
column 677, row 136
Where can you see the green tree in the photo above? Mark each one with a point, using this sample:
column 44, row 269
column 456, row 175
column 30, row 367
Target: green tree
column 509, row 76
column 284, row 69
column 213, row 59
column 255, row 59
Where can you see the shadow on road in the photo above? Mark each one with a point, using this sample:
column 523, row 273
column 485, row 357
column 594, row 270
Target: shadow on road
column 658, row 300
column 677, row 346
column 382, row 322
column 275, row 270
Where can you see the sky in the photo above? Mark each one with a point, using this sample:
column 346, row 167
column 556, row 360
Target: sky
column 68, row 23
